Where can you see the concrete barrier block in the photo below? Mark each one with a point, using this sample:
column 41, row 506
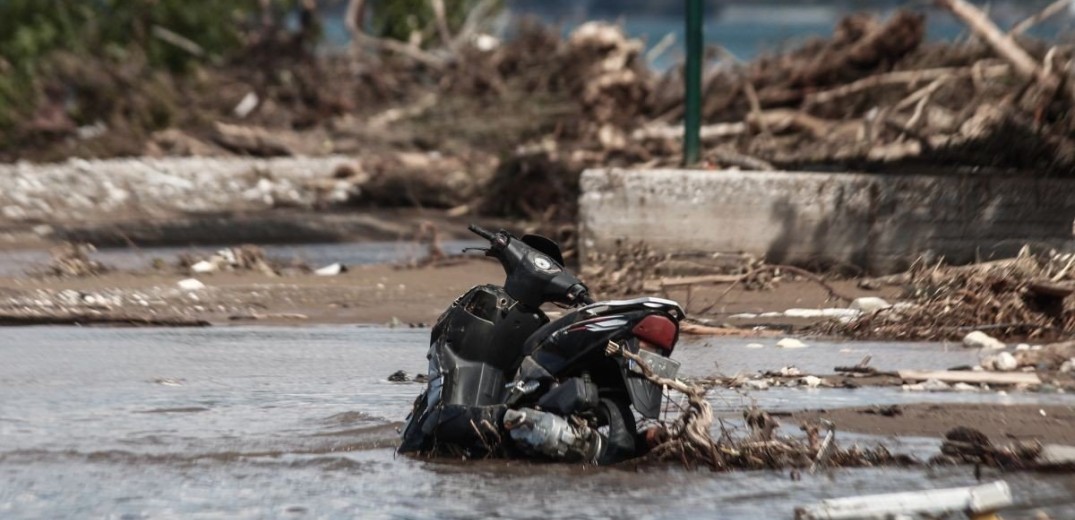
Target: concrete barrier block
column 880, row 223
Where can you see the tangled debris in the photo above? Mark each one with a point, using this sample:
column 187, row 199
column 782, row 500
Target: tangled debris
column 634, row 267
column 1024, row 296
column 246, row 257
column 687, row 438
column 965, row 445
column 71, row 260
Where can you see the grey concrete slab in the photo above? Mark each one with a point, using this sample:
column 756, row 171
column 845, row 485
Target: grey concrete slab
column 880, row 223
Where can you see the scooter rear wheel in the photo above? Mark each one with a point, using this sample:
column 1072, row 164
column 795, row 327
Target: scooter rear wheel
column 620, row 443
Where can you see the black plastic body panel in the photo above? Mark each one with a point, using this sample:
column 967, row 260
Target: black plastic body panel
column 478, row 341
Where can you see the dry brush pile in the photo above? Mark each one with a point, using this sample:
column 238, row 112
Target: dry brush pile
column 505, row 128
column 1027, row 296
column 687, row 440
column 877, row 97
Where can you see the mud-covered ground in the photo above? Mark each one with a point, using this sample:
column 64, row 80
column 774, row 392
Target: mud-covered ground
column 392, row 291
column 1046, row 423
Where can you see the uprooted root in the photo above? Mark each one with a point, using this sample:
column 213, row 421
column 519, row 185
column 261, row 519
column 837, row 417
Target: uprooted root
column 689, row 440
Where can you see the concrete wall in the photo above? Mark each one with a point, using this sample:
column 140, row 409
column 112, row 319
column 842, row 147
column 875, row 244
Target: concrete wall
column 880, row 223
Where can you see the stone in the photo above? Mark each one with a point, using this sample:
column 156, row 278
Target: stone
column 981, row 340
column 790, row 343
column 790, row 371
column 755, row 345
column 811, row 381
column 964, row 387
column 191, row 284
column 868, row 304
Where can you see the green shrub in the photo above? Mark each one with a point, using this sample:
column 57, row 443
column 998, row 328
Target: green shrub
column 34, row 32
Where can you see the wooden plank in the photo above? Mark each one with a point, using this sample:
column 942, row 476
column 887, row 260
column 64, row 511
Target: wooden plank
column 667, row 283
column 961, row 376
column 974, row 500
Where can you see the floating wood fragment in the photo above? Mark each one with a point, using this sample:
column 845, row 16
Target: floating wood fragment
column 980, row 502
column 959, row 376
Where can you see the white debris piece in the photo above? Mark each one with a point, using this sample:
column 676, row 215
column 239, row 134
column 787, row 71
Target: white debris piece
column 756, row 384
column 790, row 371
column 869, row 304
column 331, row 270
column 203, row 267
column 931, row 385
column 979, row 339
column 1067, row 366
column 246, row 105
column 934, row 385
column 790, row 343
column 973, row 501
column 1057, row 455
column 1003, row 362
column 755, row 345
column 191, row 284
column 964, row 387
column 821, row 313
column 811, row 381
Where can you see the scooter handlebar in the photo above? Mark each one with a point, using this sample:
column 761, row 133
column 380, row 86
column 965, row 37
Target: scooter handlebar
column 482, row 232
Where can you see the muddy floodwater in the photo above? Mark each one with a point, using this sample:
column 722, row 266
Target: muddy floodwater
column 276, row 422
column 20, row 261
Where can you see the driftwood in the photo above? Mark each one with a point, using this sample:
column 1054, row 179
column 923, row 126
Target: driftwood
column 1004, row 45
column 78, row 318
column 904, row 77
column 967, row 376
column 684, row 281
column 1050, row 10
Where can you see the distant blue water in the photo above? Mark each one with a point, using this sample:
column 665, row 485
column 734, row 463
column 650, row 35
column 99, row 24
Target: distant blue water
column 747, row 30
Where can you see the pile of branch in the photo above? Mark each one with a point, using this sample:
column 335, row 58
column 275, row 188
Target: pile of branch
column 875, row 96
column 687, row 438
column 1026, row 296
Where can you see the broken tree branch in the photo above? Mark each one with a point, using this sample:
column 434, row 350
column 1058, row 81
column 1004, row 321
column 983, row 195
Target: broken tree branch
column 1003, row 44
column 900, row 77
column 442, row 22
column 1049, row 11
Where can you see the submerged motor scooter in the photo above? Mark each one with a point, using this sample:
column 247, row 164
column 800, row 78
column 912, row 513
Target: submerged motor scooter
column 504, row 380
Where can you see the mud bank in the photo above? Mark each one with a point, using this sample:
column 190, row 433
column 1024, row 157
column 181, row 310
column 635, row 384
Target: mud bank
column 1044, row 423
column 364, row 294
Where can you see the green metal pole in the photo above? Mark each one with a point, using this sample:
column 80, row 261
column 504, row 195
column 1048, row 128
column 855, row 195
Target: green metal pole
column 692, row 115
